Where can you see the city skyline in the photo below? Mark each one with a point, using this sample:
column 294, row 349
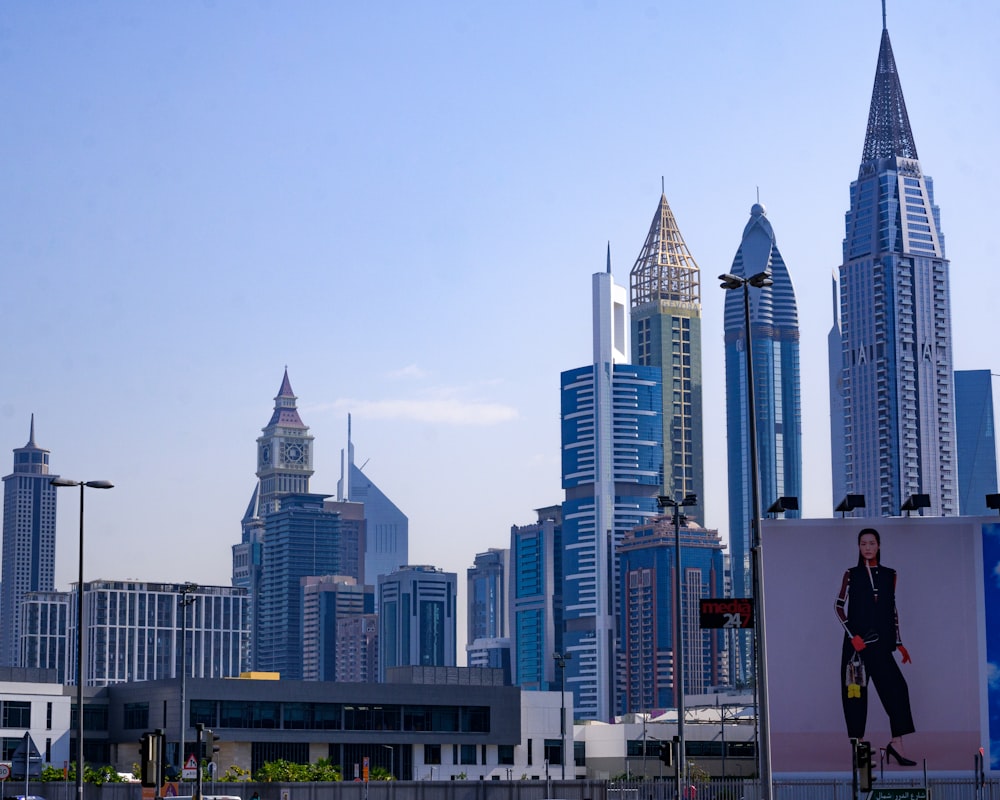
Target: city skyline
column 156, row 195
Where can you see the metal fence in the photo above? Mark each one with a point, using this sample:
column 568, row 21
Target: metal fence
column 718, row 789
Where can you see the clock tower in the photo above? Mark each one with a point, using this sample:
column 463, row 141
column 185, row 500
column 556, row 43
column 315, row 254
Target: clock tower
column 284, row 452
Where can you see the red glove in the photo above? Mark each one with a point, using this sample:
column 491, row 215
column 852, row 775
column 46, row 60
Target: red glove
column 859, row 643
column 906, row 656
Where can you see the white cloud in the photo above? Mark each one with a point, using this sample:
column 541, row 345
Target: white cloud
column 996, row 573
column 993, row 675
column 411, row 371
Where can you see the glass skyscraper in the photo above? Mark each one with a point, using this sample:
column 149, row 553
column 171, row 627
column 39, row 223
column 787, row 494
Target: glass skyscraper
column 612, row 471
column 417, row 624
column 29, row 540
column 648, row 576
column 976, row 440
column 665, row 298
column 774, row 327
column 893, row 420
column 536, row 614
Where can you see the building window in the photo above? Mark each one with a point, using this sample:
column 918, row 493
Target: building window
column 16, row 714
column 137, row 715
column 553, row 751
column 432, row 754
column 467, row 754
column 505, row 754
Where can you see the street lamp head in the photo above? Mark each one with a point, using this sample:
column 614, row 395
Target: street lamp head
column 760, row 280
column 88, row 484
column 730, row 281
column 690, row 500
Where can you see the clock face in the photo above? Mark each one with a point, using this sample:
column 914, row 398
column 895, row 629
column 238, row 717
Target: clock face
column 265, row 454
column 292, row 453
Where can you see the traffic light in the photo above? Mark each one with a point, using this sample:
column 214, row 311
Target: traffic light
column 151, row 758
column 865, row 766
column 667, row 754
column 209, row 746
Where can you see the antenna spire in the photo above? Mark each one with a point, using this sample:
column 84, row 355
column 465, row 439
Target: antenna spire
column 663, row 186
column 883, row 15
column 609, row 256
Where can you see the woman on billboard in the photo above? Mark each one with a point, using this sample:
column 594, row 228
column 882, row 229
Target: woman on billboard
column 866, row 607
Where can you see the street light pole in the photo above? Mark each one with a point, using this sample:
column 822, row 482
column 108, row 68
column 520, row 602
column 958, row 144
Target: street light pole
column 59, row 482
column 185, row 601
column 758, row 281
column 561, row 659
column 678, row 643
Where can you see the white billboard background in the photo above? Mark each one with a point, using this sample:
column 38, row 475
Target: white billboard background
column 939, row 598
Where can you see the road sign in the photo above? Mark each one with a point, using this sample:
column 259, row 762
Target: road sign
column 190, row 771
column 4, row 772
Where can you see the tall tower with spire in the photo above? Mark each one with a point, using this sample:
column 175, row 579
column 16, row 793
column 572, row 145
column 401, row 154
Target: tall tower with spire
column 892, row 378
column 665, row 285
column 612, row 461
column 774, row 325
column 29, row 540
column 284, row 466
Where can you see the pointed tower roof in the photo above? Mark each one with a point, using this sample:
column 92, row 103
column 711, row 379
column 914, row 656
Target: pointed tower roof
column 889, row 131
column 664, row 270
column 36, row 459
column 285, row 412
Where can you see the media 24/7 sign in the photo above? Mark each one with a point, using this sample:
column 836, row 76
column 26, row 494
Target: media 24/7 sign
column 729, row 612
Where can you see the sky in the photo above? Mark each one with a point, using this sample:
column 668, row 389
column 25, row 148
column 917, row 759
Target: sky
column 403, row 203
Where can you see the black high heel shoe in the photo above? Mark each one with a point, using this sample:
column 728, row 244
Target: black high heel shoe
column 891, row 753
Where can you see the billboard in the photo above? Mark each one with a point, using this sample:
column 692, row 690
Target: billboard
column 940, row 577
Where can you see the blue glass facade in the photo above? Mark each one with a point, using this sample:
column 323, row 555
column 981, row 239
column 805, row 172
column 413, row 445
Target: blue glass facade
column 300, row 539
column 891, row 380
column 774, row 329
column 536, row 599
column 976, row 441
column 612, row 481
column 647, row 599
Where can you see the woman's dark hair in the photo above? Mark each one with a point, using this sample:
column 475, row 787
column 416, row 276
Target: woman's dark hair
column 878, row 540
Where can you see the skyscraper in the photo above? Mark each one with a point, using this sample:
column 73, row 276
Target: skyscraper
column 536, row 600
column 284, row 466
column 386, row 527
column 486, row 595
column 647, row 566
column 327, row 601
column 29, row 540
column 417, row 625
column 612, row 471
column 666, row 333
column 976, row 439
column 896, row 430
column 774, row 327
column 300, row 539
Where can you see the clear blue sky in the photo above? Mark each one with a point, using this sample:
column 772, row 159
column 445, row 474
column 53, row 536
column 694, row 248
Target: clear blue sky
column 404, row 203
